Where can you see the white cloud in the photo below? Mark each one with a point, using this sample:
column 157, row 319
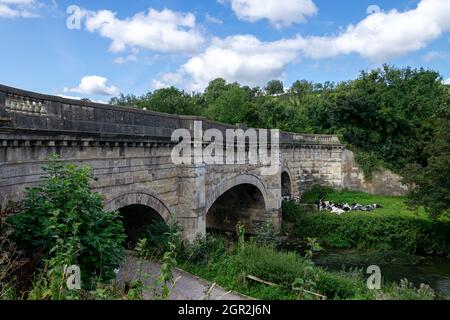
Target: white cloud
column 129, row 58
column 241, row 58
column 165, row 30
column 447, row 81
column 211, row 19
column 280, row 13
column 435, row 55
column 379, row 37
column 385, row 35
column 167, row 80
column 19, row 8
column 94, row 85
column 79, row 98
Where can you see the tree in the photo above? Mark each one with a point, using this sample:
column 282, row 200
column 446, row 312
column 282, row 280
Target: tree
column 129, row 100
column 430, row 184
column 230, row 105
column 274, row 87
column 388, row 112
column 63, row 221
column 300, row 88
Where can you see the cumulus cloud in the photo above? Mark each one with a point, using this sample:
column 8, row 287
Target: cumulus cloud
column 211, row 19
column 164, row 31
column 19, row 8
column 94, row 85
column 129, row 58
column 167, row 80
column 447, row 81
column 379, row 37
column 280, row 13
column 242, row 58
column 385, row 35
column 435, row 55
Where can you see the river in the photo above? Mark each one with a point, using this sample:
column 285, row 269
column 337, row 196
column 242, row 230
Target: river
column 394, row 265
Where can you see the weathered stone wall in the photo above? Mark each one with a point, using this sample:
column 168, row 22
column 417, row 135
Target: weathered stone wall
column 314, row 164
column 383, row 182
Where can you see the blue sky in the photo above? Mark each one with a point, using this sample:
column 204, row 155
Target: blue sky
column 139, row 46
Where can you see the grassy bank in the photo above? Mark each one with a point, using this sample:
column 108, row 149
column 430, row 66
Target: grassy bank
column 229, row 265
column 393, row 226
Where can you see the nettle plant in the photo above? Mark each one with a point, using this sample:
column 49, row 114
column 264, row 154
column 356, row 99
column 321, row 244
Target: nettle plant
column 63, row 223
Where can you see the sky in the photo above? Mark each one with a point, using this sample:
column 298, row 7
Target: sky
column 98, row 49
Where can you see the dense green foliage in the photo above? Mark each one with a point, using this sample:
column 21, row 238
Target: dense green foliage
column 274, row 87
column 395, row 118
column 392, row 227
column 63, row 222
column 432, row 181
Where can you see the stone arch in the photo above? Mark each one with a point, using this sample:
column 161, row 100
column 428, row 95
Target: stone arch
column 137, row 198
column 233, row 182
column 239, row 199
column 139, row 211
column 286, row 183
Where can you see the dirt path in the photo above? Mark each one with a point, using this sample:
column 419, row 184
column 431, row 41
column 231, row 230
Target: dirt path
column 187, row 287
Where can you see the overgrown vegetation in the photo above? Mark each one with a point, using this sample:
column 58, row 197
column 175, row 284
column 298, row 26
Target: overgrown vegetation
column 393, row 226
column 61, row 223
column 391, row 117
column 287, row 275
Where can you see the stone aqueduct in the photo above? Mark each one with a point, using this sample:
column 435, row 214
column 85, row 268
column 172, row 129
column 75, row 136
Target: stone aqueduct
column 129, row 152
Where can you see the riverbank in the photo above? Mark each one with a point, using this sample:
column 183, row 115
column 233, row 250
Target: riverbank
column 392, row 227
column 263, row 272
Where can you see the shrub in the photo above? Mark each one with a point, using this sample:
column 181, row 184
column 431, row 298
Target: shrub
column 312, row 196
column 290, row 211
column 405, row 290
column 266, row 235
column 368, row 162
column 64, row 222
column 204, row 248
column 159, row 234
column 406, row 233
column 12, row 260
column 393, row 226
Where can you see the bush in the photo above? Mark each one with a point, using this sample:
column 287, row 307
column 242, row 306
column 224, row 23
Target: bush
column 290, row 211
column 406, row 291
column 266, row 235
column 204, row 248
column 63, row 223
column 394, row 226
column 12, row 260
column 159, row 235
column 368, row 230
column 312, row 196
column 368, row 162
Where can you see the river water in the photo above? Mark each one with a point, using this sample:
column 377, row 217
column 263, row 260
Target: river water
column 431, row 270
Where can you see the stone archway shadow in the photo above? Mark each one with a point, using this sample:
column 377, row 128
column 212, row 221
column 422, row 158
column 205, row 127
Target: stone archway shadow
column 246, row 179
column 139, row 198
column 287, row 186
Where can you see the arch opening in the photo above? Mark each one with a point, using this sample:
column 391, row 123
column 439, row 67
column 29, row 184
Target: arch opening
column 286, row 186
column 242, row 203
column 137, row 220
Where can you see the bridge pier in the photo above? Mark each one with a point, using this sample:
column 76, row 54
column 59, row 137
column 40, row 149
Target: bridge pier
column 190, row 212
